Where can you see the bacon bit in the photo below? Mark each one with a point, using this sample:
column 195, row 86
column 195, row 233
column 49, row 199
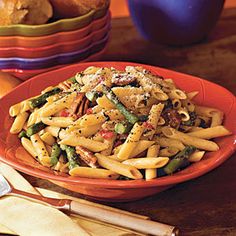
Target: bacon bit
column 147, row 125
column 106, row 134
column 87, row 156
column 122, row 79
column 117, row 143
column 172, row 118
column 123, row 136
column 89, row 111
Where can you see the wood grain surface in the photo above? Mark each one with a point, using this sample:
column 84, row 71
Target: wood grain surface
column 205, row 206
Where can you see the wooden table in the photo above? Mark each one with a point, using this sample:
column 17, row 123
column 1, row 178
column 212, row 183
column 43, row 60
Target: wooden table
column 204, row 206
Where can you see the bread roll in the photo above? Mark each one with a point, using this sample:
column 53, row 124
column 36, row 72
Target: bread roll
column 73, row 8
column 31, row 12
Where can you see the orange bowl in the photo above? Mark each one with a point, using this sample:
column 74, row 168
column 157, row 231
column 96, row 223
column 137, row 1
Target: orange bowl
column 56, row 48
column 210, row 94
column 27, row 74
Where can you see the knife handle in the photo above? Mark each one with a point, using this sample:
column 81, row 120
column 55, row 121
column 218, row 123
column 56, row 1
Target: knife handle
column 123, row 220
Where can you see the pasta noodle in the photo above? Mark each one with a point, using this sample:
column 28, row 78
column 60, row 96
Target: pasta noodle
column 153, row 151
column 106, row 123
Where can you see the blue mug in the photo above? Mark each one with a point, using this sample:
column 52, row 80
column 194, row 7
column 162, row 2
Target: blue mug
column 175, row 22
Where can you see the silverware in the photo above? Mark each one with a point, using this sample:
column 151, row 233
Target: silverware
column 95, row 212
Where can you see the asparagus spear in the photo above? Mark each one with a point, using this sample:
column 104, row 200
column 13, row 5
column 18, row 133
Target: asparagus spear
column 71, row 156
column 23, row 134
column 41, row 100
column 179, row 159
column 56, row 152
column 131, row 118
column 73, row 80
column 91, row 95
column 35, row 128
column 123, row 127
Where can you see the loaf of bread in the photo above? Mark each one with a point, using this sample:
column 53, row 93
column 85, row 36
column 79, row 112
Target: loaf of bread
column 32, row 12
column 73, row 8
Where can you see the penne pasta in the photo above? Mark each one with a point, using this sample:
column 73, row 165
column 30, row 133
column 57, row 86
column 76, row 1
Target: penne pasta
column 190, row 140
column 147, row 162
column 192, row 94
column 105, row 103
column 40, row 149
column 58, row 121
column 90, row 144
column 116, row 122
column 92, row 119
column 58, row 105
column 168, row 151
column 209, row 133
column 93, row 173
column 142, row 145
column 27, row 144
column 19, row 122
column 167, row 142
column 177, row 94
column 153, row 151
column 196, row 156
column 131, row 142
column 153, row 119
column 120, row 168
column 216, row 118
column 48, row 138
column 15, row 109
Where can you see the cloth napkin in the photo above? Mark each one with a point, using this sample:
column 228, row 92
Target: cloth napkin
column 41, row 219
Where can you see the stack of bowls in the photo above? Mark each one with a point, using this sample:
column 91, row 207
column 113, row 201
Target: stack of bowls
column 28, row 50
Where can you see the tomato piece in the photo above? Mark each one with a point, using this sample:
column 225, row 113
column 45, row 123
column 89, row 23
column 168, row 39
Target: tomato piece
column 89, row 111
column 106, row 134
column 64, row 113
column 147, row 125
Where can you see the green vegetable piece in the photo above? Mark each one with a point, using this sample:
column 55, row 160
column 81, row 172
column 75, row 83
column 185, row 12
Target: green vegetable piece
column 42, row 99
column 131, row 118
column 71, row 156
column 123, row 127
column 92, row 96
column 73, row 80
column 179, row 160
column 23, row 134
column 56, row 152
column 35, row 128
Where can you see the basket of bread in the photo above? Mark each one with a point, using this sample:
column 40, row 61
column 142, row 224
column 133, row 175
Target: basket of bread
column 40, row 35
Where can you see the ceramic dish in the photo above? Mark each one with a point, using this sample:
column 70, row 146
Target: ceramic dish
column 12, row 153
column 57, row 48
column 27, row 74
column 60, row 37
column 54, row 27
column 57, row 59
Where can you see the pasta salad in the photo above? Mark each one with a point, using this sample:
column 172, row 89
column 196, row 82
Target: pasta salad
column 105, row 123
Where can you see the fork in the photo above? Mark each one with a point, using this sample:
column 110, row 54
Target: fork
column 95, row 212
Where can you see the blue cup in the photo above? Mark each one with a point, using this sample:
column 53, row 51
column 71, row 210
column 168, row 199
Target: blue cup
column 175, row 22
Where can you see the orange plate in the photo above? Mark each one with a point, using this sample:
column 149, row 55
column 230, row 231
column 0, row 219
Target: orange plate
column 56, row 48
column 12, row 153
column 51, row 39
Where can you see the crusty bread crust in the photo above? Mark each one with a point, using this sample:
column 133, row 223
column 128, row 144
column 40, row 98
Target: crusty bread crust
column 73, row 8
column 32, row 12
